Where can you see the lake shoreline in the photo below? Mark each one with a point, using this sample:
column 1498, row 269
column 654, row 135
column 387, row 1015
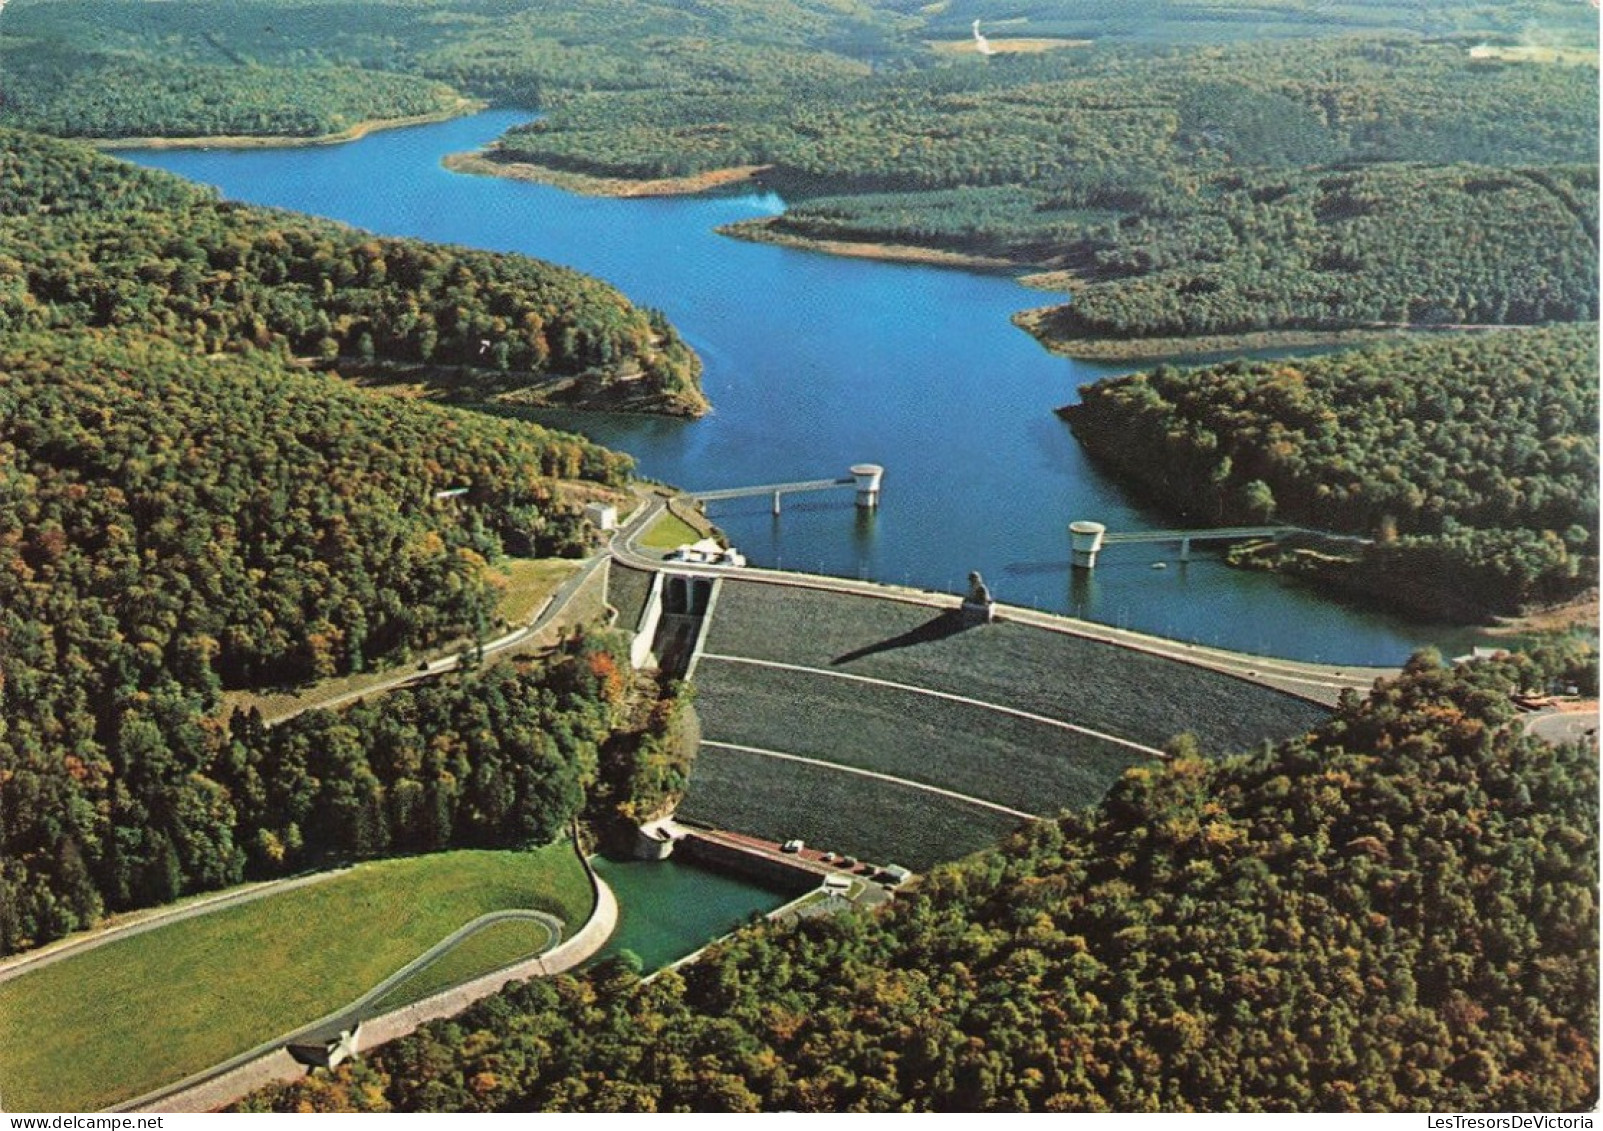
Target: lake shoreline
column 459, row 387
column 356, row 132
column 758, row 230
column 479, row 163
column 816, row 362
column 1166, row 349
column 763, row 231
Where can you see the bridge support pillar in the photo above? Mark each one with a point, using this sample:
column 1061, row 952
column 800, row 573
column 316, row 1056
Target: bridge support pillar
column 1085, row 539
column 868, row 476
column 776, row 502
column 1185, row 549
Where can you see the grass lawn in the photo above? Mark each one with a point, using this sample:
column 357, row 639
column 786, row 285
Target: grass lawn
column 498, row 945
column 669, row 532
column 120, row 1020
column 529, row 581
column 1143, row 698
column 881, row 822
column 986, row 754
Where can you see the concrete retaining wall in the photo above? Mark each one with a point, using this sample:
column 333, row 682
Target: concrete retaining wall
column 646, row 631
column 786, row 875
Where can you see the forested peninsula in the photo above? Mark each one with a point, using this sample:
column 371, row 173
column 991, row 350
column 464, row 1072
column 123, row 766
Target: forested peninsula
column 89, row 241
column 1471, row 462
column 1395, row 912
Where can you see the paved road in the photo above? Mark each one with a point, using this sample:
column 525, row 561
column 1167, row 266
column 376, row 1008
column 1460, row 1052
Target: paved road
column 554, row 607
column 1318, row 683
column 220, row 1086
column 34, row 960
column 1562, row 726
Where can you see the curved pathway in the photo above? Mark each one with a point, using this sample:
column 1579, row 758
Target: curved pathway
column 347, row 1015
column 1318, row 683
column 554, row 607
column 908, row 782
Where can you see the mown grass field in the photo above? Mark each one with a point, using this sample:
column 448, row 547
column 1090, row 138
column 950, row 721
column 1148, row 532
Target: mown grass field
column 127, row 1017
column 879, row 822
column 1142, row 698
column 1004, row 46
column 986, row 754
column 669, row 532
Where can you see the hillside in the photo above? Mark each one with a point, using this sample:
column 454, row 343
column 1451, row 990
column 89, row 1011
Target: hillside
column 87, row 241
column 1471, row 460
column 56, row 88
column 1338, row 249
column 1395, row 912
column 171, row 525
column 122, row 68
column 1174, row 158
column 1310, row 185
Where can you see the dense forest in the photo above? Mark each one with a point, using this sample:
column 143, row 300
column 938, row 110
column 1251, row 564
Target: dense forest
column 1144, row 134
column 55, row 89
column 1068, row 119
column 171, row 525
column 1397, row 911
column 1311, row 185
column 1327, row 249
column 89, row 241
column 1472, row 460
column 515, row 53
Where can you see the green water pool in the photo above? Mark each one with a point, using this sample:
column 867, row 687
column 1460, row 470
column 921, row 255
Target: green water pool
column 668, row 909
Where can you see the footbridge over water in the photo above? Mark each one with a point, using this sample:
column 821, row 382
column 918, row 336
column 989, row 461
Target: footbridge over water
column 1087, row 539
column 865, row 477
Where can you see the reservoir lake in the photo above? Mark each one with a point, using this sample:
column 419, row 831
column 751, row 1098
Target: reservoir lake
column 815, row 362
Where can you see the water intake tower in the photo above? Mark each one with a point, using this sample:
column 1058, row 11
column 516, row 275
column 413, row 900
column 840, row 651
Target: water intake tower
column 867, row 476
column 1085, row 539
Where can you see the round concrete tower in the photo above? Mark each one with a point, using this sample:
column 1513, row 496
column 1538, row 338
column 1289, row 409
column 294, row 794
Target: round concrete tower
column 868, row 476
column 1085, row 539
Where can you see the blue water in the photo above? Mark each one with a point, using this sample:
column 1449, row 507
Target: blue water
column 814, row 363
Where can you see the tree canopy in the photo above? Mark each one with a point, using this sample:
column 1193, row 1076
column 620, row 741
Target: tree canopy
column 1395, row 912
column 86, row 240
column 1472, row 460
column 172, row 525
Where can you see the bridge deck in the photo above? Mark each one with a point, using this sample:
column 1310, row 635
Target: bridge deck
column 774, row 488
column 1224, row 533
column 1211, row 533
